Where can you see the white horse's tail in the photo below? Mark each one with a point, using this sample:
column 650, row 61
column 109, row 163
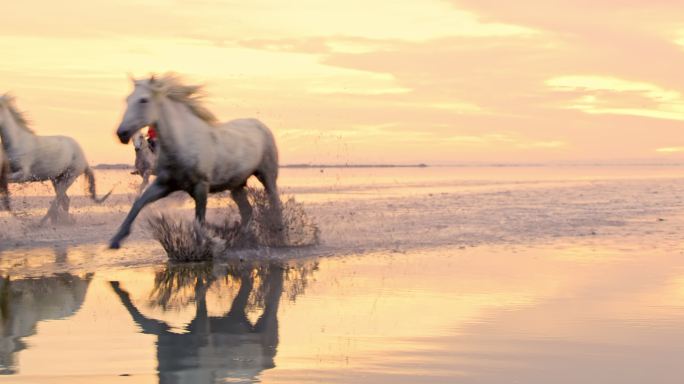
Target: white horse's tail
column 4, row 183
column 91, row 187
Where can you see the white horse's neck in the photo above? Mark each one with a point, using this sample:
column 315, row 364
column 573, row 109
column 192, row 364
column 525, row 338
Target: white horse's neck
column 12, row 134
column 178, row 128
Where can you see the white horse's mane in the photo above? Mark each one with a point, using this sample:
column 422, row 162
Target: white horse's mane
column 20, row 117
column 191, row 96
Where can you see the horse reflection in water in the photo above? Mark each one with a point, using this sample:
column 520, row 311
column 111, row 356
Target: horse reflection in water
column 218, row 348
column 26, row 302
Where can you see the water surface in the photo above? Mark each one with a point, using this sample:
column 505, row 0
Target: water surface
column 425, row 275
column 561, row 313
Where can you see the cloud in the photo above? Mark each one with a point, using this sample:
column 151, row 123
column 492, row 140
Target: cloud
column 610, row 95
column 670, row 150
column 493, row 80
column 226, row 20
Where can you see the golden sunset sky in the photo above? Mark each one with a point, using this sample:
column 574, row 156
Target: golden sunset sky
column 351, row 81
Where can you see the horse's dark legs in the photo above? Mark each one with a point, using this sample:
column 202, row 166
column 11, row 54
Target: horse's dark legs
column 239, row 195
column 61, row 184
column 61, row 188
column 199, row 193
column 52, row 212
column 54, row 205
column 155, row 192
column 271, row 188
column 4, row 182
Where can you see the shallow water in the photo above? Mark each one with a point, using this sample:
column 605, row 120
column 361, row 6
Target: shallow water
column 560, row 313
column 469, row 275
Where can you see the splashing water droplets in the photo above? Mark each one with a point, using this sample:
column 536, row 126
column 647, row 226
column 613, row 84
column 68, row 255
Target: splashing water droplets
column 186, row 241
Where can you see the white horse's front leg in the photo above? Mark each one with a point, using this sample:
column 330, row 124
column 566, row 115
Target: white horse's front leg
column 155, row 192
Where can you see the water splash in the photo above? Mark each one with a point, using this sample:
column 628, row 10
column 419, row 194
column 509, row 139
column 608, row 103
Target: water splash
column 188, row 241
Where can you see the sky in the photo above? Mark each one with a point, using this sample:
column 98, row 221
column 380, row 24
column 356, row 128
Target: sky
column 416, row 81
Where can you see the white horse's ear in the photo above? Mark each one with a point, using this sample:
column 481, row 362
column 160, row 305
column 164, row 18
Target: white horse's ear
column 153, row 79
column 130, row 77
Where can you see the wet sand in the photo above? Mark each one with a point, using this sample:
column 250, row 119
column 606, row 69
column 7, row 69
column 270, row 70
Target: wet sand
column 451, row 275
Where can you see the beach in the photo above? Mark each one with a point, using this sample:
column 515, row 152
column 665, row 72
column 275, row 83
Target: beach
column 472, row 274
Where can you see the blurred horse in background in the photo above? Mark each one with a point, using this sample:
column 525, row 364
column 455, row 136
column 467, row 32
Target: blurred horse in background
column 58, row 159
column 145, row 160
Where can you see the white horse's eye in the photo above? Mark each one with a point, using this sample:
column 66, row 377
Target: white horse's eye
column 143, row 100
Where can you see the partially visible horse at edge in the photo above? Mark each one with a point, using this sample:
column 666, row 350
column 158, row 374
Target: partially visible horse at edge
column 196, row 154
column 4, row 180
column 145, row 160
column 58, row 159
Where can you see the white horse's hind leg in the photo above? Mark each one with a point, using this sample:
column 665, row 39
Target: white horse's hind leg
column 61, row 184
column 51, row 213
column 239, row 195
column 199, row 194
column 275, row 207
column 273, row 195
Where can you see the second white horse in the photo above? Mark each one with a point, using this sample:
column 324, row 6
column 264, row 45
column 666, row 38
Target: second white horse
column 58, row 159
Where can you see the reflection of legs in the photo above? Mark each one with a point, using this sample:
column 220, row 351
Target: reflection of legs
column 267, row 325
column 200, row 323
column 238, row 309
column 149, row 326
column 240, row 197
column 274, row 283
column 155, row 192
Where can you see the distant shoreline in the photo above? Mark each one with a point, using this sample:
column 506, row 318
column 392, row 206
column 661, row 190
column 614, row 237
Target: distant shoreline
column 461, row 165
column 304, row 166
column 421, row 165
column 114, row 166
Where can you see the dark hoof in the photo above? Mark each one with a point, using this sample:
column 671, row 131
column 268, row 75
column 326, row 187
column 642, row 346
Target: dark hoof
column 114, row 245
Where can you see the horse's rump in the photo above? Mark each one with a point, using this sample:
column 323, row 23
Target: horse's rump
column 54, row 155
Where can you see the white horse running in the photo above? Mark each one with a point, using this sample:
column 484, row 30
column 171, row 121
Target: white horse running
column 145, row 159
column 4, row 180
column 58, row 159
column 197, row 154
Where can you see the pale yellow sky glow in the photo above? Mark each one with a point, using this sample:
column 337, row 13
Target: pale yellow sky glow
column 435, row 81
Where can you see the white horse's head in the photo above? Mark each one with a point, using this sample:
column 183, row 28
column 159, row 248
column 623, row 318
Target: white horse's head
column 141, row 109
